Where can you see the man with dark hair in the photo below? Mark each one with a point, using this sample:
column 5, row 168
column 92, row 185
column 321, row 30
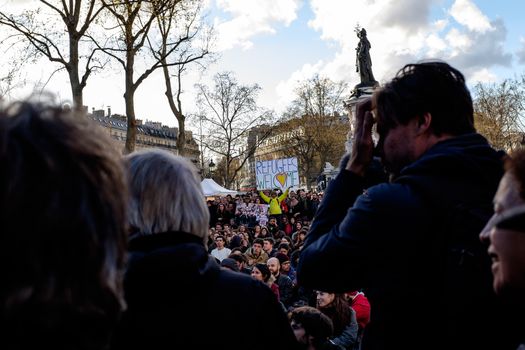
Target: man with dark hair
column 272, row 226
column 220, row 252
column 255, row 254
column 311, row 327
column 240, row 260
column 284, row 248
column 268, row 246
column 63, row 230
column 414, row 238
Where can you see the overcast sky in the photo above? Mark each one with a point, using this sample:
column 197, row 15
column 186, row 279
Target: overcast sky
column 277, row 43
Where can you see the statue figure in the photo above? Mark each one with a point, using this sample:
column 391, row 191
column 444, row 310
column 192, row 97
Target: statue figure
column 363, row 60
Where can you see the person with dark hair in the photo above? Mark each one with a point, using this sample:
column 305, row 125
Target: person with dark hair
column 230, row 264
column 262, row 273
column 312, row 328
column 255, row 254
column 417, row 234
column 359, row 302
column 268, row 246
column 284, row 248
column 220, row 252
column 240, row 260
column 272, row 226
column 343, row 317
column 63, row 230
column 286, row 226
column 171, row 283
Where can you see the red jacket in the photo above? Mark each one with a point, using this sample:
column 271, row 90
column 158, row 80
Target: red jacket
column 361, row 307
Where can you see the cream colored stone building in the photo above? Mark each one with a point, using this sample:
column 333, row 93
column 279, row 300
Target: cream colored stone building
column 149, row 135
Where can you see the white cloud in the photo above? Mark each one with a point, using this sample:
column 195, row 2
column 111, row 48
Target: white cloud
column 458, row 41
column 486, row 50
column 521, row 52
column 403, row 31
column 440, row 24
column 482, row 76
column 285, row 88
column 252, row 17
column 466, row 13
column 436, row 45
column 397, row 36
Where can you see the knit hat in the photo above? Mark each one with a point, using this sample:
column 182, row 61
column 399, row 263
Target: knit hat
column 230, row 264
column 282, row 258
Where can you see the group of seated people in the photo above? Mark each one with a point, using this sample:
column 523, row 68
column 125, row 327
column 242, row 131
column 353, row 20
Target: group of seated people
column 101, row 251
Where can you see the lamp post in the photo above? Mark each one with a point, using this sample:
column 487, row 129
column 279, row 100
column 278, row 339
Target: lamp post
column 211, row 166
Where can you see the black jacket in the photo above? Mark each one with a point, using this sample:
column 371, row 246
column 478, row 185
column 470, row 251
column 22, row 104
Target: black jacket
column 405, row 241
column 179, row 298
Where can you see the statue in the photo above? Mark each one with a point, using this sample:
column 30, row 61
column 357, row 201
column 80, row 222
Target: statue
column 363, row 61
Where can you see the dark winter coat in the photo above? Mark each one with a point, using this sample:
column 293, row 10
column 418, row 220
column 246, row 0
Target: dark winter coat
column 413, row 246
column 179, row 298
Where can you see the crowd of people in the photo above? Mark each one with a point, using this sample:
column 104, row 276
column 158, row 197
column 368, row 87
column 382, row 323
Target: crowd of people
column 261, row 234
column 101, row 251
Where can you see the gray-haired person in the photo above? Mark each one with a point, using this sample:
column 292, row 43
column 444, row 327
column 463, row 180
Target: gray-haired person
column 177, row 295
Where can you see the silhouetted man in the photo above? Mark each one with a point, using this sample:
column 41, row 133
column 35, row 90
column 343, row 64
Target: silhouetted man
column 412, row 244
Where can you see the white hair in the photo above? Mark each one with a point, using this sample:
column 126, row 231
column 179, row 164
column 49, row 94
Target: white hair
column 166, row 195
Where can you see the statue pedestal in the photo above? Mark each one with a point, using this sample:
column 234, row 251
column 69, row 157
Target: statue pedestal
column 359, row 93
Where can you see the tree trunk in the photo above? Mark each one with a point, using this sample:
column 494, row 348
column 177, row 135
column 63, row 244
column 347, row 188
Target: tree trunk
column 227, row 178
column 131, row 134
column 181, row 136
column 74, row 79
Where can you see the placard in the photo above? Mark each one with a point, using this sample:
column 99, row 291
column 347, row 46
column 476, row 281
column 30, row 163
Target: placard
column 277, row 173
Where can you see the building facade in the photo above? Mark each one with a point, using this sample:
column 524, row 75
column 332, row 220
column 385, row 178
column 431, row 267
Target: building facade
column 149, row 134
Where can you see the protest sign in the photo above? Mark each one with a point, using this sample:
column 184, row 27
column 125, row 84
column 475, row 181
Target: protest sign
column 277, row 173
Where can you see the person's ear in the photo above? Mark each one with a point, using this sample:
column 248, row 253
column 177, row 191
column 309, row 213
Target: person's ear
column 423, row 123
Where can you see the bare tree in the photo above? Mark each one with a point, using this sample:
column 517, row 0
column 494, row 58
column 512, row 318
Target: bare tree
column 180, row 27
column 229, row 112
column 60, row 44
column 12, row 75
column 499, row 111
column 315, row 125
column 134, row 23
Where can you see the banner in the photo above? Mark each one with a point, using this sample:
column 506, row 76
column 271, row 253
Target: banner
column 277, row 173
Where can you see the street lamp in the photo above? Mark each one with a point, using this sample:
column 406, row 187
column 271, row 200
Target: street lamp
column 211, row 166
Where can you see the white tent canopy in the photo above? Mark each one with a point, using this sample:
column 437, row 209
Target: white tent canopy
column 211, row 188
